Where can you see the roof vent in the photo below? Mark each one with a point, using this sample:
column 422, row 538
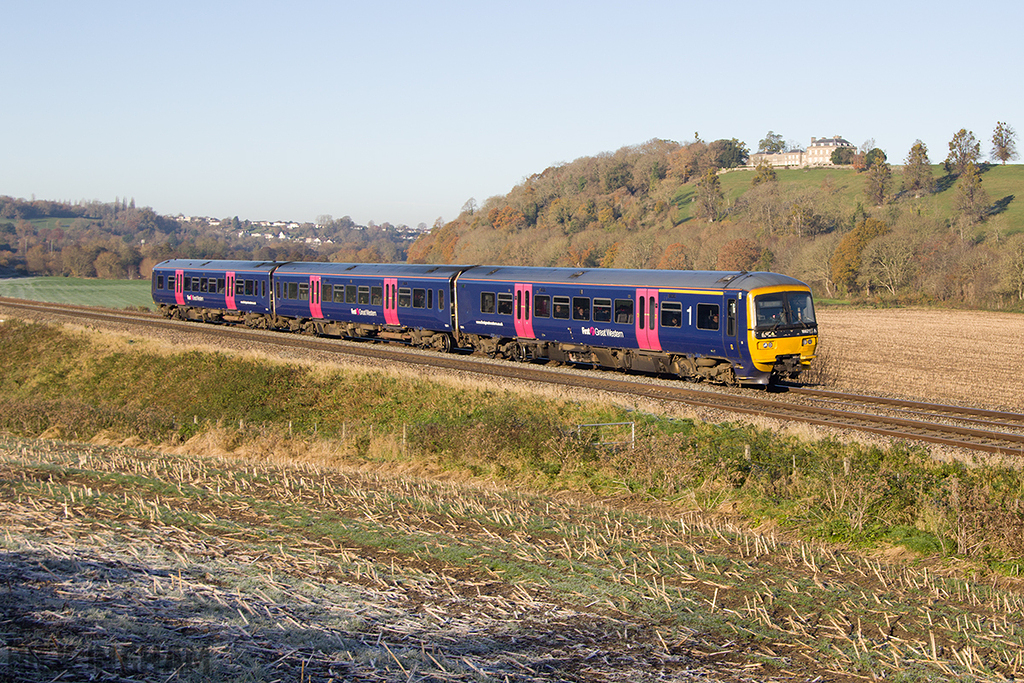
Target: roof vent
column 578, row 273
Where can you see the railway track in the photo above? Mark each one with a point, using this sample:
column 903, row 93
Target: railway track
column 953, row 426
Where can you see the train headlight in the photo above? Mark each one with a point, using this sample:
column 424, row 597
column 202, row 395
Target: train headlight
column 765, row 345
column 808, row 341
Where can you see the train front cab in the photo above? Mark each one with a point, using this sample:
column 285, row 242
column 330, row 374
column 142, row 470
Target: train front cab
column 782, row 331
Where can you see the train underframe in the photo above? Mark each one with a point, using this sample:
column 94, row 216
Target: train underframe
column 683, row 366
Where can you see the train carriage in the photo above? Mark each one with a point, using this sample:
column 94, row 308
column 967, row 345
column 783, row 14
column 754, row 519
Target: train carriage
column 213, row 291
column 401, row 302
column 733, row 327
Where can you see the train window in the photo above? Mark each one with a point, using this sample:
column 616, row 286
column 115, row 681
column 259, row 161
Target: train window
column 195, row 284
column 263, row 288
column 730, row 318
column 671, row 314
column 541, row 306
column 770, row 309
column 239, row 287
column 487, row 302
column 160, row 281
column 602, row 310
column 624, row 311
column 339, row 294
column 801, row 308
column 419, row 298
column 326, row 292
column 202, row 284
column 580, row 308
column 377, row 296
column 364, row 295
column 707, row 316
column 504, row 303
column 561, row 307
column 350, row 294
column 404, row 297
column 430, row 298
column 293, row 290
column 440, row 299
column 303, row 291
column 220, row 285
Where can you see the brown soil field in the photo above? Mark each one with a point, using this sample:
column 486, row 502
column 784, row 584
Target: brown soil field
column 961, row 357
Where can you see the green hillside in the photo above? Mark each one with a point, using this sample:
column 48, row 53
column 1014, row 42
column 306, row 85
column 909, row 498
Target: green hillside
column 80, row 291
column 666, row 205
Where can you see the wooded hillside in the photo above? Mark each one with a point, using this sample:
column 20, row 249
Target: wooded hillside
column 918, row 233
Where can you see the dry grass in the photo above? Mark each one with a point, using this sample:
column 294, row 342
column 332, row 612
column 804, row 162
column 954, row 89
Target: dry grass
column 962, row 357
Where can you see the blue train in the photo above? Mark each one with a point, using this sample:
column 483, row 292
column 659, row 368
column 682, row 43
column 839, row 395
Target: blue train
column 725, row 327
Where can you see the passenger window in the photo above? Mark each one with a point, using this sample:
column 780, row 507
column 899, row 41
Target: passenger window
column 504, row 303
column 430, row 298
column 561, row 307
column 404, row 297
column 440, row 299
column 541, row 306
column 377, row 296
column 419, row 298
column 339, row 294
column 364, row 296
column 195, row 284
column 730, row 318
column 239, row 287
column 160, row 281
column 707, row 317
column 580, row 308
column 249, row 288
column 293, row 290
column 602, row 310
column 350, row 294
column 671, row 314
column 202, row 284
column 303, row 291
column 220, row 285
column 487, row 302
column 263, row 288
column 624, row 311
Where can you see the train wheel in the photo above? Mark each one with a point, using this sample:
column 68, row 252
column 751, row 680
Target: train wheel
column 517, row 352
column 443, row 343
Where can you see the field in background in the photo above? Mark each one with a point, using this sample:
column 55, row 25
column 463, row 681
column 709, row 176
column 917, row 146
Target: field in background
column 117, row 294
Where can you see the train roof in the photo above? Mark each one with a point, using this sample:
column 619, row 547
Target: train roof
column 214, row 264
column 671, row 279
column 371, row 269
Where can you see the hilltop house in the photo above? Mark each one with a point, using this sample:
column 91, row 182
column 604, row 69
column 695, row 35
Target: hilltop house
column 819, row 153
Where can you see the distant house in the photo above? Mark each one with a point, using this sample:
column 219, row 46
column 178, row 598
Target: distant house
column 819, row 153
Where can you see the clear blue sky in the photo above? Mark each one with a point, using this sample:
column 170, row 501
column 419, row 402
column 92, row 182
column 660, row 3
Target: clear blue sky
column 400, row 111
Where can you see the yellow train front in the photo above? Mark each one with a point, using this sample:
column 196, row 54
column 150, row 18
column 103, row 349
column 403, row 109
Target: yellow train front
column 782, row 331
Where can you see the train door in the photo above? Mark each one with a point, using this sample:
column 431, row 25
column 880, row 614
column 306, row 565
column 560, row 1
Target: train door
column 179, row 287
column 731, row 329
column 647, row 319
column 229, row 292
column 523, row 311
column 315, row 310
column 391, row 300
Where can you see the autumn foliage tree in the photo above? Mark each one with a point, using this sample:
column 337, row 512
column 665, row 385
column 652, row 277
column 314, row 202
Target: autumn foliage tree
column 846, row 261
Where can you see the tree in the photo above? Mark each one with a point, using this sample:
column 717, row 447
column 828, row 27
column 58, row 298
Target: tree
column 917, row 171
column 727, row 154
column 739, row 254
column 1013, row 266
column 971, row 201
column 1004, row 143
column 879, row 177
column 771, row 144
column 846, row 261
column 889, row 261
column 765, row 174
column 964, row 149
column 709, row 197
column 872, row 157
column 842, row 156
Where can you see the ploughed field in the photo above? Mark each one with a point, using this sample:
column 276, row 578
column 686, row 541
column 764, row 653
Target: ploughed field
column 970, row 358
